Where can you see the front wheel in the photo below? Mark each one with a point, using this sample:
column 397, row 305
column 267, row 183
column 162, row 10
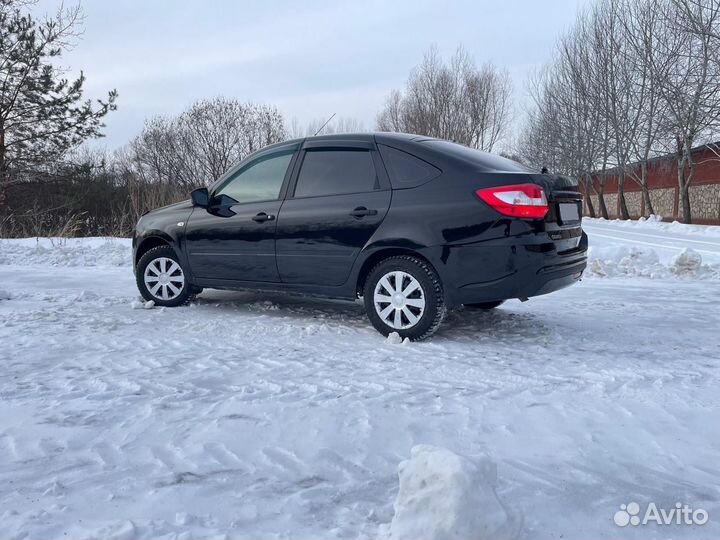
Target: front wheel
column 404, row 294
column 161, row 278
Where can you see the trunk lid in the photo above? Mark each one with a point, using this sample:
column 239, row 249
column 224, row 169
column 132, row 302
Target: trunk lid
column 563, row 221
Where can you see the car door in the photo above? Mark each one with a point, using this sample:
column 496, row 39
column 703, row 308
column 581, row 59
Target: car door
column 340, row 195
column 233, row 239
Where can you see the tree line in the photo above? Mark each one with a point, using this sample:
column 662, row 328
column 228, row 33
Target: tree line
column 632, row 79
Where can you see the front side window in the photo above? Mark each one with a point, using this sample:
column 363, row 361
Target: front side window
column 260, row 180
column 336, row 172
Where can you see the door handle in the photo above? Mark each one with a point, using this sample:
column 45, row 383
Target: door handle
column 262, row 217
column 361, row 211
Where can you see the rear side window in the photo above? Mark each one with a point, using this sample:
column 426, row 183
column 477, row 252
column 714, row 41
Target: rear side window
column 406, row 170
column 487, row 161
column 336, row 171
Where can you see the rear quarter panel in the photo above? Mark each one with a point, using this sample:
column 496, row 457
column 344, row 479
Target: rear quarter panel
column 446, row 222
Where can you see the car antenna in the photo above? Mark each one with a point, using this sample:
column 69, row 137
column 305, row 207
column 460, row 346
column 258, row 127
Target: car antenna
column 325, row 124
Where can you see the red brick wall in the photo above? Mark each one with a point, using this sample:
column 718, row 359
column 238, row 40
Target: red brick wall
column 662, row 176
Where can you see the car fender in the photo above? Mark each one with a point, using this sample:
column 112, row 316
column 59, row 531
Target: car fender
column 173, row 235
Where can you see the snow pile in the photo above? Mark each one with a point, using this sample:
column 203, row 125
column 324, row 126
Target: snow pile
column 444, row 496
column 66, row 251
column 624, row 261
column 637, row 261
column 689, row 262
column 395, row 339
column 652, row 218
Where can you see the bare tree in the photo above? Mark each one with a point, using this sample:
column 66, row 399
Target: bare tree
column 644, row 30
column 455, row 101
column 199, row 145
column 325, row 126
column 214, row 134
column 629, row 77
column 687, row 75
column 614, row 75
column 565, row 131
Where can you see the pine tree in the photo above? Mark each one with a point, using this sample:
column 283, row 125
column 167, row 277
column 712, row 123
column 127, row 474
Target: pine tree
column 42, row 113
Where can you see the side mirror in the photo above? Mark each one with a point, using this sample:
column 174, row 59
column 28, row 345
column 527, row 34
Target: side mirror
column 200, row 197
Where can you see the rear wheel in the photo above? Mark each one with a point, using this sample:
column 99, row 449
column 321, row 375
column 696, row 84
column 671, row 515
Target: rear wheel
column 485, row 305
column 160, row 277
column 403, row 294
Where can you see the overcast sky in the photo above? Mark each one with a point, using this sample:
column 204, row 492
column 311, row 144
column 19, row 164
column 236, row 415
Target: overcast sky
column 310, row 59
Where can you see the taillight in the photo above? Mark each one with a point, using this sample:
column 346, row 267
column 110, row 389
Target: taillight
column 519, row 200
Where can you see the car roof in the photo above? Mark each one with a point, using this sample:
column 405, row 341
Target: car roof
column 387, row 137
column 360, row 137
column 442, row 154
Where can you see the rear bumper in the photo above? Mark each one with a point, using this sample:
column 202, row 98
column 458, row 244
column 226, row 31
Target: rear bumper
column 514, row 268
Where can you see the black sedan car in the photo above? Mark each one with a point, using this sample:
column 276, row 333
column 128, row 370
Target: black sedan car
column 412, row 225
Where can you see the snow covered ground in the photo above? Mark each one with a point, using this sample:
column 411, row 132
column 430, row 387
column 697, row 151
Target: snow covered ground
column 243, row 416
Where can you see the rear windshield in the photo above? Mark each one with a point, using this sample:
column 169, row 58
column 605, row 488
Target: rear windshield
column 489, row 162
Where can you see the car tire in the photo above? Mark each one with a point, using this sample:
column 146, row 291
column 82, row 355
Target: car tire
column 485, row 305
column 161, row 278
column 404, row 294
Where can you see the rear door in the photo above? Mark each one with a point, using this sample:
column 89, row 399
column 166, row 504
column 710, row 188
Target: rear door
column 339, row 197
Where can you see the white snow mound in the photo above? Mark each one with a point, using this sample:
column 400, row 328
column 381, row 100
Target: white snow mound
column 92, row 251
column 624, row 261
column 687, row 262
column 444, row 496
column 141, row 304
column 640, row 261
column 395, row 339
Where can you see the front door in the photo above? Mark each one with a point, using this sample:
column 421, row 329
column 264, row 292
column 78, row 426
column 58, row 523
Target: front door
column 234, row 238
column 339, row 201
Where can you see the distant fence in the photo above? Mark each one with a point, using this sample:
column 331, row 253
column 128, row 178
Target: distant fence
column 664, row 191
column 704, row 201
